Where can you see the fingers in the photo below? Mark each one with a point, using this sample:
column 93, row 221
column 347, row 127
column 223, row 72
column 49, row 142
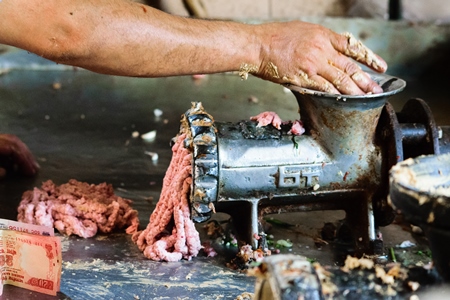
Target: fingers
column 321, row 60
column 314, row 82
column 335, row 81
column 349, row 78
column 12, row 146
column 349, row 47
column 344, row 77
column 337, row 72
column 347, row 44
column 341, row 81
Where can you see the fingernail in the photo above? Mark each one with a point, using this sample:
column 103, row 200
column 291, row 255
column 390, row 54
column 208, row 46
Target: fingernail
column 377, row 89
column 380, row 64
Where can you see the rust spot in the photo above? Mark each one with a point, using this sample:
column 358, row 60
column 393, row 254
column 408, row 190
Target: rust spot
column 367, row 182
column 345, row 176
column 206, row 139
column 335, row 185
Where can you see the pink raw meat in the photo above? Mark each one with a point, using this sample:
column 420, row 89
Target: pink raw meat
column 270, row 117
column 297, row 128
column 266, row 118
column 78, row 208
column 161, row 240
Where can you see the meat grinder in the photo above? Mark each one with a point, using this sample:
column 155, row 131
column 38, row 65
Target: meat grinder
column 341, row 162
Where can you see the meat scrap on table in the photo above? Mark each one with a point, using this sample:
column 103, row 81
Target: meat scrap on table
column 78, row 208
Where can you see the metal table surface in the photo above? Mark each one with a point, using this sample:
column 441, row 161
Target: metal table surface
column 82, row 128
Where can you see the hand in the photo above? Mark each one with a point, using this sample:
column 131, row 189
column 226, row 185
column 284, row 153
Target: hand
column 314, row 57
column 11, row 147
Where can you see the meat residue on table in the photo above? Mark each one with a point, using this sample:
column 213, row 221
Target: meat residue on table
column 78, row 208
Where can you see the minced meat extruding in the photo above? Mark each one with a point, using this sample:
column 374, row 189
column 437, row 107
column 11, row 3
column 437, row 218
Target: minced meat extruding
column 163, row 240
column 78, row 208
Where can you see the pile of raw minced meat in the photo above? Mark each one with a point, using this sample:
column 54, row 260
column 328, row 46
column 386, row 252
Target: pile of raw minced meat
column 78, row 208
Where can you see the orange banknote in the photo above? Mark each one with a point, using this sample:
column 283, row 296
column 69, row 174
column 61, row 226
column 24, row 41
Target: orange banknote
column 30, row 261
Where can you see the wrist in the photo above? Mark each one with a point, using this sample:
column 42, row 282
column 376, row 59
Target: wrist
column 251, row 60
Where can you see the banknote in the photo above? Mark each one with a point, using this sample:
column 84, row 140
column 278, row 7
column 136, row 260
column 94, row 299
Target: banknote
column 25, row 227
column 30, row 261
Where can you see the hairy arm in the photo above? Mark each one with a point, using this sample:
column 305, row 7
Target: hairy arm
column 126, row 38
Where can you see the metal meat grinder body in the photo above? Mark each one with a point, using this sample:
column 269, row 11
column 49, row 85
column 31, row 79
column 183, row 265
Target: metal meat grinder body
column 340, row 163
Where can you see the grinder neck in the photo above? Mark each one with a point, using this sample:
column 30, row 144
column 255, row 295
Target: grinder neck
column 342, row 126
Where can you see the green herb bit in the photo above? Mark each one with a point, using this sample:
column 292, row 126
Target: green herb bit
column 284, row 244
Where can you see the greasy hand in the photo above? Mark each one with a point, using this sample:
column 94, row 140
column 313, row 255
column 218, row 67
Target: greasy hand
column 12, row 147
column 314, row 57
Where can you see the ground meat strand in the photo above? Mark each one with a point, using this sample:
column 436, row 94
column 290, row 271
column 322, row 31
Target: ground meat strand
column 171, row 234
column 78, row 208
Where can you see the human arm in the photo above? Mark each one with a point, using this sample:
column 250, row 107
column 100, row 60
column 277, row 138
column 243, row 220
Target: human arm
column 15, row 153
column 131, row 39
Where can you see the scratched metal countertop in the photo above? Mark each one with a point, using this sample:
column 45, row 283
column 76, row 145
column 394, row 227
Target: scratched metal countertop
column 79, row 125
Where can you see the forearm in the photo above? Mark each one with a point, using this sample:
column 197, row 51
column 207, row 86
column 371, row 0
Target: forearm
column 151, row 43
column 127, row 38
